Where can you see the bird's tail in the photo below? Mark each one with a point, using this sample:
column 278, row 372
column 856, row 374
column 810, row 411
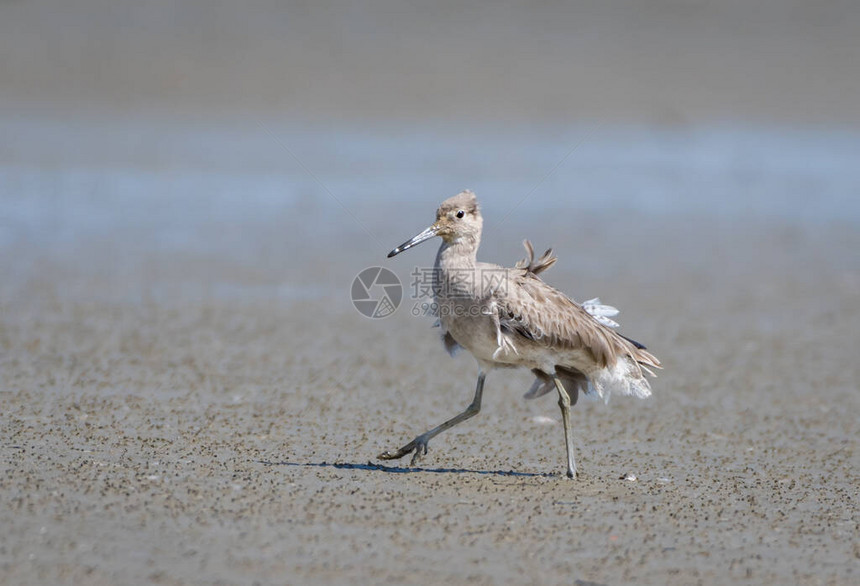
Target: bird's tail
column 644, row 360
column 625, row 377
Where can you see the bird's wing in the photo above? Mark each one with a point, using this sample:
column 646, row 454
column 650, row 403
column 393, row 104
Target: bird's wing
column 536, row 311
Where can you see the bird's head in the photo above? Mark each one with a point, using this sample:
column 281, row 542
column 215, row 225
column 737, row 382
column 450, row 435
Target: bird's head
column 458, row 218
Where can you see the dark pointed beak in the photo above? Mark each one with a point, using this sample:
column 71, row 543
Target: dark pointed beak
column 417, row 239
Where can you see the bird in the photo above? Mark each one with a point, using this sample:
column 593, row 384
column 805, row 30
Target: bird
column 510, row 318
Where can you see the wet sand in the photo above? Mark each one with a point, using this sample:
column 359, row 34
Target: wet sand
column 184, row 418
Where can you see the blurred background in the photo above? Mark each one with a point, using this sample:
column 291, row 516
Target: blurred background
column 188, row 188
column 241, row 129
column 670, row 62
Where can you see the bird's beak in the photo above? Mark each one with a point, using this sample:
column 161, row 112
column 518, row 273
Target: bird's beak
column 417, row 239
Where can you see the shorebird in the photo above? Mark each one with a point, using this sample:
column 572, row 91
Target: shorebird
column 509, row 317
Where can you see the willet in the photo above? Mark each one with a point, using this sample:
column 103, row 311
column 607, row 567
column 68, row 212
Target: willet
column 508, row 317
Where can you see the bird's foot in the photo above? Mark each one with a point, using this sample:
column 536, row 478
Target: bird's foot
column 417, row 447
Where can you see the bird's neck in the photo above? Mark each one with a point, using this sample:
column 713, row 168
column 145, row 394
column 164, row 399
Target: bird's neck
column 457, row 254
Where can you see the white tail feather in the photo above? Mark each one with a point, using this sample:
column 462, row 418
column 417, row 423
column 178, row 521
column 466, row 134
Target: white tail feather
column 601, row 312
column 624, row 378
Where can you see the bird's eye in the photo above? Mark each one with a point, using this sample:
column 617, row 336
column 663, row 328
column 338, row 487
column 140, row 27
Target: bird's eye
column 461, row 213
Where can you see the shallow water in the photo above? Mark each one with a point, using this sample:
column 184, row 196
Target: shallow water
column 88, row 178
column 104, row 196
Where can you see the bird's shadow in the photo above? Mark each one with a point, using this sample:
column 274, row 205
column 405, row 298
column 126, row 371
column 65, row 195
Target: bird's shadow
column 371, row 467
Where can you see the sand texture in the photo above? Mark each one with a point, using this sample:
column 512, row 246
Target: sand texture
column 182, row 418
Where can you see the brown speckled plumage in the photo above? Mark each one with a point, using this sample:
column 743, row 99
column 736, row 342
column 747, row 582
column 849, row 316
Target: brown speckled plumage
column 509, row 317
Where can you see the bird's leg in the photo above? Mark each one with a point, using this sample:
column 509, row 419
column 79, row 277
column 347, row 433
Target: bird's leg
column 564, row 403
column 419, row 444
